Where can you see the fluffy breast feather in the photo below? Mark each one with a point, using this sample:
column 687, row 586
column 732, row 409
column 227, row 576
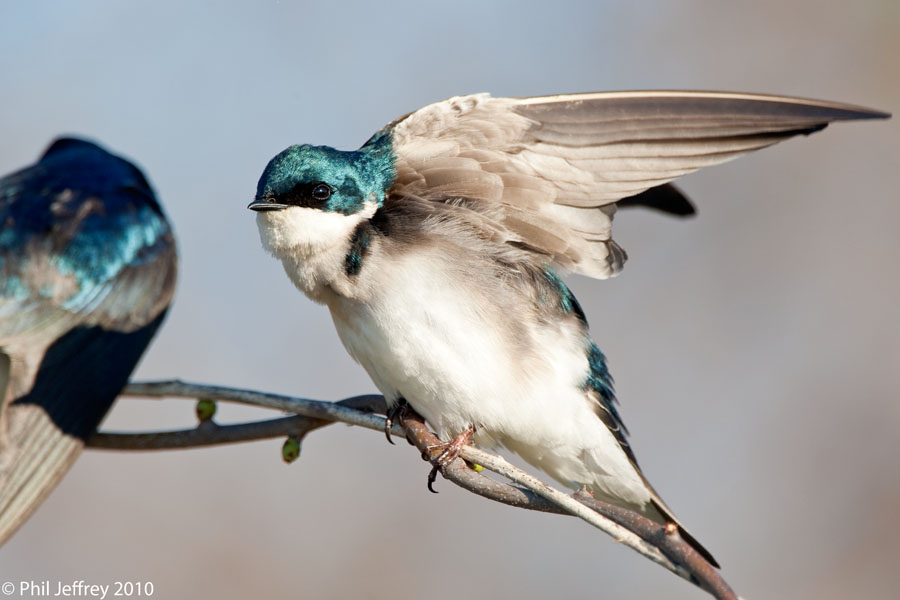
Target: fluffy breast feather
column 463, row 355
column 312, row 245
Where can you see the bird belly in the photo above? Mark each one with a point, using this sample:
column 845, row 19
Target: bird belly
column 458, row 366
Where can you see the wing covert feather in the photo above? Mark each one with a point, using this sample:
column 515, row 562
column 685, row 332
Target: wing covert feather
column 556, row 165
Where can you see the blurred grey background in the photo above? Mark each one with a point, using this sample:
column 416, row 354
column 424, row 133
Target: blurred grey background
column 756, row 348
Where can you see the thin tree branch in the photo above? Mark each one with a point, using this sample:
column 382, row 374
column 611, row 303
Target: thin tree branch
column 210, row 433
column 660, row 544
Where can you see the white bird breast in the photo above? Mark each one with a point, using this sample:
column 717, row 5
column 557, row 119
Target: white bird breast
column 447, row 350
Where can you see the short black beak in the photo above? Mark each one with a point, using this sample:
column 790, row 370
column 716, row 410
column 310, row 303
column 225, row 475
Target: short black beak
column 265, row 205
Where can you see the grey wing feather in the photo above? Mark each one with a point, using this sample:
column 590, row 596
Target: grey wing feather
column 557, row 165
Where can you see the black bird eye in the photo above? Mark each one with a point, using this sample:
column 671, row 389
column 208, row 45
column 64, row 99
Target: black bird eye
column 321, row 192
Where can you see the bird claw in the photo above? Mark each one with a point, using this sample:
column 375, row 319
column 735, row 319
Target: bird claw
column 395, row 411
column 432, row 477
column 450, row 451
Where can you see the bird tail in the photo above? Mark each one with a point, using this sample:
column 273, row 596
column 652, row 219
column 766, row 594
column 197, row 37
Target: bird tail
column 659, row 512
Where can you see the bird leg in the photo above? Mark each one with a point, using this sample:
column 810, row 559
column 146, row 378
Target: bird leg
column 397, row 410
column 449, row 453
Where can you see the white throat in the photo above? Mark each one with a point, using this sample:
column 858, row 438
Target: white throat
column 310, row 243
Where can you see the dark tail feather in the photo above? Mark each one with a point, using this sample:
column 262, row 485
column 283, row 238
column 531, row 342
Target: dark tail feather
column 664, row 198
column 693, row 543
column 685, row 534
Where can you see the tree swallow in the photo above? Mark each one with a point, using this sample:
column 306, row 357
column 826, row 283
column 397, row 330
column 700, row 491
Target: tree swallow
column 437, row 247
column 87, row 272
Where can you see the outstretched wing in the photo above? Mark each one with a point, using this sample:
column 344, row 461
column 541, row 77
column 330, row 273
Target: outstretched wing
column 87, row 271
column 552, row 168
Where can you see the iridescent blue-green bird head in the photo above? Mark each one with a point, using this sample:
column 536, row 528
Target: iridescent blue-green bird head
column 322, row 178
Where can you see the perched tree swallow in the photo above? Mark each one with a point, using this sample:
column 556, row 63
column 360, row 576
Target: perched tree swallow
column 87, row 271
column 437, row 247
